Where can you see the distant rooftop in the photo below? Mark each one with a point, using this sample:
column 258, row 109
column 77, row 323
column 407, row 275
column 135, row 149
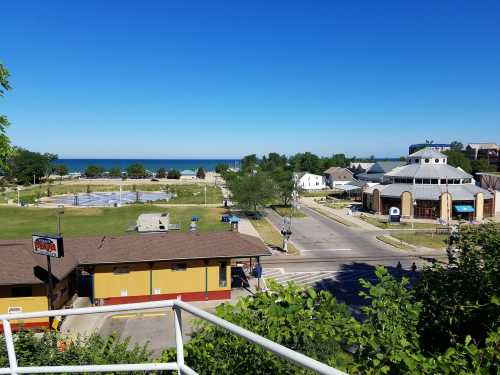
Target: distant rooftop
column 428, row 153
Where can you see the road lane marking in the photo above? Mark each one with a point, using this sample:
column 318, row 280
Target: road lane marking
column 321, row 250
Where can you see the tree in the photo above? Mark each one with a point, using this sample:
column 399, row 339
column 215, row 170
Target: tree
column 26, row 166
column 273, row 162
column 161, row 173
column 136, row 170
column 458, row 297
column 285, row 185
column 174, row 174
column 93, row 171
column 458, row 158
column 115, row 172
column 200, row 173
column 306, row 162
column 221, row 168
column 249, row 163
column 61, row 170
column 5, row 147
column 482, row 165
column 457, row 146
column 252, row 191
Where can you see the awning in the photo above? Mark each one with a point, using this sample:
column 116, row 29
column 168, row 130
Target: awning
column 463, row 208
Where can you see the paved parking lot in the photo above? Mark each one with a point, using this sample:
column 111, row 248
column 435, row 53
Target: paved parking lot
column 153, row 327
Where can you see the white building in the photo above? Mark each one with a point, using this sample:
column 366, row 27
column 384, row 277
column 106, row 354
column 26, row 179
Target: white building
column 309, row 181
column 153, row 222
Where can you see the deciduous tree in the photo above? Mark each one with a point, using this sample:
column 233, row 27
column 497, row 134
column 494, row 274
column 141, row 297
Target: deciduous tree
column 5, row 147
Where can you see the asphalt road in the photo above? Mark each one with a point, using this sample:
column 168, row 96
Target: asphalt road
column 334, row 257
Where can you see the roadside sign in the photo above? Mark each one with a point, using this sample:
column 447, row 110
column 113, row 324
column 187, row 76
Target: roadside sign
column 51, row 246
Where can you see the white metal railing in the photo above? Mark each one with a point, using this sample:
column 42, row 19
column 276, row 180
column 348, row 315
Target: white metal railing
column 177, row 306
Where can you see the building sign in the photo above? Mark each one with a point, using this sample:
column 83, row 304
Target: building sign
column 51, row 246
column 14, row 310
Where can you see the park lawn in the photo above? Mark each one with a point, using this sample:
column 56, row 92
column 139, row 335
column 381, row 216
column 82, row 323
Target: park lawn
column 18, row 222
column 338, row 204
column 382, row 223
column 321, row 193
column 270, row 235
column 425, row 239
column 284, row 211
column 195, row 194
column 186, row 194
column 390, row 240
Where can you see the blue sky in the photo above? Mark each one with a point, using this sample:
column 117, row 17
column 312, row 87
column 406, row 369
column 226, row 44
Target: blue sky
column 164, row 79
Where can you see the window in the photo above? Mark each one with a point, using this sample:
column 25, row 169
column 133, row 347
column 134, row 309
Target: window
column 426, row 160
column 121, row 270
column 223, row 274
column 434, row 181
column 436, row 160
column 418, row 180
column 427, row 180
column 22, row 291
column 416, row 161
column 179, row 267
column 443, row 181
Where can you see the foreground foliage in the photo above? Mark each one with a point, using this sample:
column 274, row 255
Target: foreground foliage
column 53, row 349
column 447, row 324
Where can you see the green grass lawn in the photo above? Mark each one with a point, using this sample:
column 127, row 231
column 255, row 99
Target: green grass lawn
column 382, row 223
column 338, row 204
column 186, row 194
column 390, row 240
column 18, row 222
column 270, row 235
column 432, row 240
column 285, row 211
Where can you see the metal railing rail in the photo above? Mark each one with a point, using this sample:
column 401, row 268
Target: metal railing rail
column 177, row 306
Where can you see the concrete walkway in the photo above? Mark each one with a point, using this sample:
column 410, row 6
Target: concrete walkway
column 246, row 227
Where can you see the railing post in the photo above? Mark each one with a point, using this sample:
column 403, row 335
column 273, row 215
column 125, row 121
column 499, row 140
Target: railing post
column 179, row 345
column 9, row 343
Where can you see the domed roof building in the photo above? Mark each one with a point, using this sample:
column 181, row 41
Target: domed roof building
column 427, row 187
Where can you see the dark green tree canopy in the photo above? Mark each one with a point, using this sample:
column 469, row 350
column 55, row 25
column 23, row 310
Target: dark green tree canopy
column 253, row 190
column 221, row 168
column 136, row 170
column 61, row 170
column 174, row 174
column 161, row 173
column 200, row 173
column 93, row 171
column 457, row 158
column 115, row 172
column 25, row 165
column 5, row 147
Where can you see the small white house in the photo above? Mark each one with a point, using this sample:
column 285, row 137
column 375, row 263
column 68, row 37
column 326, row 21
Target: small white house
column 309, row 181
column 153, row 222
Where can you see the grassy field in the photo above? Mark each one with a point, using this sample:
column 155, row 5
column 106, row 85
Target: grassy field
column 393, row 242
column 191, row 194
column 22, row 222
column 432, row 240
column 285, row 211
column 322, row 193
column 270, row 235
column 381, row 223
column 338, row 204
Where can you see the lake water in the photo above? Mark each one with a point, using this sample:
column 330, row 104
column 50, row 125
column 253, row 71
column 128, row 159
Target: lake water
column 79, row 165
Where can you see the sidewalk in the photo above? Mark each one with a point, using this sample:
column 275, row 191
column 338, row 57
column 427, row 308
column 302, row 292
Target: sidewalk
column 246, row 227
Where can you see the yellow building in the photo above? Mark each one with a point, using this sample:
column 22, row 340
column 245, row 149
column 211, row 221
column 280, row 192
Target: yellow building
column 125, row 269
